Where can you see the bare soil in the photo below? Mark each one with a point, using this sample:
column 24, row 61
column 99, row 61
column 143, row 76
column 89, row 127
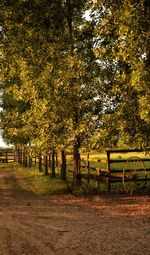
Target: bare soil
column 68, row 225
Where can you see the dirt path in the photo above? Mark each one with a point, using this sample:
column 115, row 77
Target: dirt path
column 65, row 225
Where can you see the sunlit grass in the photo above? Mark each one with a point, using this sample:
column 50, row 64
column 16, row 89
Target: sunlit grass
column 31, row 181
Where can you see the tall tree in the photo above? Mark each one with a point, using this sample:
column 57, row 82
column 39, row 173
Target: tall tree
column 122, row 47
column 53, row 68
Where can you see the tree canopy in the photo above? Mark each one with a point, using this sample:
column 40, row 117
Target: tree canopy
column 68, row 79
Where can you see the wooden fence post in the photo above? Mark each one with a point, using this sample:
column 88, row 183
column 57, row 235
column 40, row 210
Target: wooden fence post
column 6, row 157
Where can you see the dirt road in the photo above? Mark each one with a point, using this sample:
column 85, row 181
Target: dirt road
column 67, row 225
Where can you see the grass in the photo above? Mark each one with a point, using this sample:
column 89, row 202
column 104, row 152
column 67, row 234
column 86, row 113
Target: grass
column 94, row 157
column 31, row 181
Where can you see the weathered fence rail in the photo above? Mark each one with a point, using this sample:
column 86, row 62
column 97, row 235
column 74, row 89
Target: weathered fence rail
column 131, row 163
column 127, row 166
column 7, row 155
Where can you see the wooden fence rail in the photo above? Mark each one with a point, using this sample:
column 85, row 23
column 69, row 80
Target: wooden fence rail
column 117, row 167
column 113, row 162
column 6, row 155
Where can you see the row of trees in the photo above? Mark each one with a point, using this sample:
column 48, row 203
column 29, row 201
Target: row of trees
column 75, row 73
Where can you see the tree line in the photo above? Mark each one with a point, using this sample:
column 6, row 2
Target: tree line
column 75, row 73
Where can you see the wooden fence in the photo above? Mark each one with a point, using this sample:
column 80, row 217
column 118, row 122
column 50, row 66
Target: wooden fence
column 113, row 162
column 7, row 155
column 125, row 161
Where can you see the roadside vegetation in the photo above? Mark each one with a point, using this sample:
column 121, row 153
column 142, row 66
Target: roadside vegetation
column 30, row 181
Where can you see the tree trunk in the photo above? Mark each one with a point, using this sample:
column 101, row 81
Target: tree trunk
column 56, row 156
column 88, row 163
column 53, row 164
column 20, row 155
column 40, row 163
column 63, row 165
column 46, row 165
column 35, row 160
column 76, row 156
column 25, row 158
column 49, row 160
column 30, row 161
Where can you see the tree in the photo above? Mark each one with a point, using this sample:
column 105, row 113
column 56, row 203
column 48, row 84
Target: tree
column 54, row 68
column 65, row 78
column 122, row 47
column 28, row 47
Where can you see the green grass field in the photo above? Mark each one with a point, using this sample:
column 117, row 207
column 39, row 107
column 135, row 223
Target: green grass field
column 95, row 156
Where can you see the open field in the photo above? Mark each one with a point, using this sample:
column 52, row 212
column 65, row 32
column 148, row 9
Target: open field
column 95, row 156
column 35, row 224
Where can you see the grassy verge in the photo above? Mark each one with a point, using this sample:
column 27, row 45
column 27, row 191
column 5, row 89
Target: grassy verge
column 31, row 181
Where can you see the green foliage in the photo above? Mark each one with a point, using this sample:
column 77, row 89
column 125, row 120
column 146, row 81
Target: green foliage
column 122, row 47
column 68, row 80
